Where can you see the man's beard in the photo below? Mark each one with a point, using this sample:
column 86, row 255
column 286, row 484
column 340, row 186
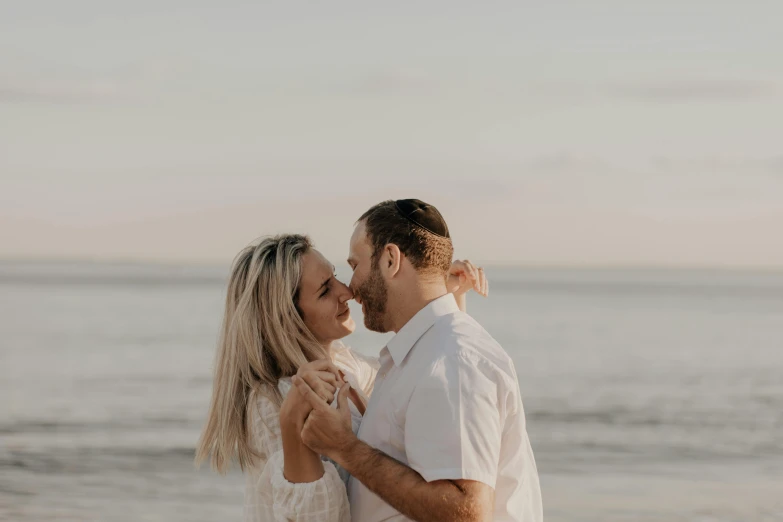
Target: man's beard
column 373, row 293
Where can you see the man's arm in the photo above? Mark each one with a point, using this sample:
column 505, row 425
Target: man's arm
column 407, row 491
column 328, row 431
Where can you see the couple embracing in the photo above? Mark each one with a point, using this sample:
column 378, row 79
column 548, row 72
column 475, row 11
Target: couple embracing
column 432, row 430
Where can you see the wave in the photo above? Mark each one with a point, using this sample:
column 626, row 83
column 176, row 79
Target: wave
column 48, row 427
column 89, row 460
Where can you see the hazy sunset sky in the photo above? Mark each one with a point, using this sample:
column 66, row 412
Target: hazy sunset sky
column 561, row 132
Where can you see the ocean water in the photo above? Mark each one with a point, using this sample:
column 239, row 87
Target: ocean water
column 650, row 395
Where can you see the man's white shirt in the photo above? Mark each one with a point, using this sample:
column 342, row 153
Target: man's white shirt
column 447, row 403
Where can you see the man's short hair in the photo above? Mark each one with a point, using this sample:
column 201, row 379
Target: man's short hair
column 426, row 251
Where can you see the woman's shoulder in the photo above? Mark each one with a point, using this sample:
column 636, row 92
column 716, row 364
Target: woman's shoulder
column 263, row 423
column 362, row 367
column 264, row 407
column 369, row 360
column 263, row 418
column 345, row 355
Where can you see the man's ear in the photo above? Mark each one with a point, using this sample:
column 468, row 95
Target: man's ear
column 391, row 260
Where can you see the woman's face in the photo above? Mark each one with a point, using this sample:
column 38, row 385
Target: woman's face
column 323, row 300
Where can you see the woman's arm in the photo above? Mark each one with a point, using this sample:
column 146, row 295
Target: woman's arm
column 293, row 483
column 273, row 497
column 301, row 464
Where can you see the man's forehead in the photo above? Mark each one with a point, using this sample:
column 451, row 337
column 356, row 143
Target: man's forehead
column 359, row 235
column 359, row 245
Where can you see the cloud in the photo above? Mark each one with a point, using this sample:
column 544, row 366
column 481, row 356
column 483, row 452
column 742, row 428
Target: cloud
column 700, row 90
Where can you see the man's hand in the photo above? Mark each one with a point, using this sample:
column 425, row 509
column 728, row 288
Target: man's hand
column 327, row 431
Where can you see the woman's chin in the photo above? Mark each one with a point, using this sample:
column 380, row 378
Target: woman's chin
column 349, row 325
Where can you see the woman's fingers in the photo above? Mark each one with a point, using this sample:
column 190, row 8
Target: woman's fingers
column 484, row 284
column 309, row 395
column 323, row 389
column 473, row 273
column 464, row 275
column 321, row 365
column 327, row 377
column 357, row 400
column 457, row 266
column 464, row 266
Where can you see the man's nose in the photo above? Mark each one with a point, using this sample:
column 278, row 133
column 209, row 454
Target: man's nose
column 356, row 296
column 347, row 293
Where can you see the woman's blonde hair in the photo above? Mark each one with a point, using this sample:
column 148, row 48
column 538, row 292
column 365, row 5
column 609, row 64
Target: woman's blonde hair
column 263, row 339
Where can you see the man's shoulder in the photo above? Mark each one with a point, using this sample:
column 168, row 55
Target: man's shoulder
column 460, row 333
column 460, row 337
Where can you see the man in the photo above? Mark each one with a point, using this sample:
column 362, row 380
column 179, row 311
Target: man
column 443, row 437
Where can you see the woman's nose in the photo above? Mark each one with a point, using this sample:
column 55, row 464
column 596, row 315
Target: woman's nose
column 346, row 294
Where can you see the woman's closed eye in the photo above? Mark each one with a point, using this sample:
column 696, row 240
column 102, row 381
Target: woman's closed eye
column 328, row 287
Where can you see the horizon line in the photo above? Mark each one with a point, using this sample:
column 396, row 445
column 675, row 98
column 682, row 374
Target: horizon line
column 492, row 264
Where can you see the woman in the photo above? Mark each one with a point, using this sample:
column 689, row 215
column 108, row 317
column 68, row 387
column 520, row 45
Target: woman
column 285, row 315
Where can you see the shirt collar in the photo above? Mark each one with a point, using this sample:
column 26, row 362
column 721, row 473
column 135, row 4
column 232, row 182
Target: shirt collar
column 401, row 344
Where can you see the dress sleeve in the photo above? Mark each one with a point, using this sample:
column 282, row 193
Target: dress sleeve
column 271, row 497
column 324, row 500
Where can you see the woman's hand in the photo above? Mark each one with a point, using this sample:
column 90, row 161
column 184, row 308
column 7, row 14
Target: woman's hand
column 324, row 378
column 464, row 276
column 300, row 463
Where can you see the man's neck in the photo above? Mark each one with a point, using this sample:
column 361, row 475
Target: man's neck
column 411, row 301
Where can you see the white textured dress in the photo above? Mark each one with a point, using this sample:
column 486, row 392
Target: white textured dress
column 268, row 495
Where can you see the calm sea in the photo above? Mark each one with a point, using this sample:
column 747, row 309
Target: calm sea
column 650, row 395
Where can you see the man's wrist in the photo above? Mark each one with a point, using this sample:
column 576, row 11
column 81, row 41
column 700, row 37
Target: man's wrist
column 344, row 453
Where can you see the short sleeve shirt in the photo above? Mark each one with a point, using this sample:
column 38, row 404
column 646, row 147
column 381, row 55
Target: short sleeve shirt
column 447, row 403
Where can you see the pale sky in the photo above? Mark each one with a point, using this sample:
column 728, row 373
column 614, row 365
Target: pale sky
column 560, row 132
